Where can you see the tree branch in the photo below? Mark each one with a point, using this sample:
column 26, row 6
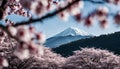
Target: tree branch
column 32, row 21
column 46, row 16
column 96, row 2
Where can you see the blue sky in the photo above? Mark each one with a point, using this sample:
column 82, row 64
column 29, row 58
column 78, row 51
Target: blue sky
column 55, row 25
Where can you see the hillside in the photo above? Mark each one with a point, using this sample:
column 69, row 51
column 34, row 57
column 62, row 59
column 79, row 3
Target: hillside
column 110, row 42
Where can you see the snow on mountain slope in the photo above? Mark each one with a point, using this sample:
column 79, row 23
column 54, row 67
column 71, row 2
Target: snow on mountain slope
column 73, row 32
column 67, row 36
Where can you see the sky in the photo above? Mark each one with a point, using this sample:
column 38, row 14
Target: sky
column 55, row 25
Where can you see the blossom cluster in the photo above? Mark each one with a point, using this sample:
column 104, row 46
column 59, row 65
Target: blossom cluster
column 91, row 58
column 101, row 14
column 48, row 60
column 30, row 41
column 73, row 10
column 6, row 45
column 14, row 7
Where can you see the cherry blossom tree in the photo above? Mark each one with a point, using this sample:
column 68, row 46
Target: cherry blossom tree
column 48, row 60
column 91, row 58
column 29, row 40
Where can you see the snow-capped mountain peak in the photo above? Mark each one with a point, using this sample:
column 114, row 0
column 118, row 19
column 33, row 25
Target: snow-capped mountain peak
column 68, row 35
column 73, row 32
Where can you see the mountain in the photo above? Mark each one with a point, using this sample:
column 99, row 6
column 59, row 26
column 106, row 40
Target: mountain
column 110, row 42
column 73, row 32
column 66, row 36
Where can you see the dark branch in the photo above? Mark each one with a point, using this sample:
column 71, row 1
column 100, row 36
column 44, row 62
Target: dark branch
column 96, row 2
column 46, row 16
column 32, row 21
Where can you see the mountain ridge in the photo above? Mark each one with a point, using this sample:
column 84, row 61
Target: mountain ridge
column 66, row 36
column 110, row 42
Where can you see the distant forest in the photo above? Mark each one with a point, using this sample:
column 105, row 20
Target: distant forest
column 109, row 42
